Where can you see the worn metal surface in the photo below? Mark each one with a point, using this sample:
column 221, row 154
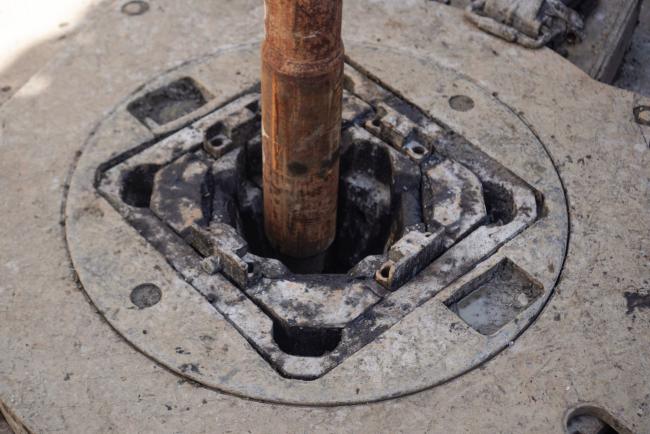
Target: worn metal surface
column 302, row 71
column 65, row 370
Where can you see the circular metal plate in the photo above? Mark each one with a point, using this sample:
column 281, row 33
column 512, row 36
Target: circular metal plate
column 184, row 332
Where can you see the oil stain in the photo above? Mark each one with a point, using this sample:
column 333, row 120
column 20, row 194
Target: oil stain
column 636, row 300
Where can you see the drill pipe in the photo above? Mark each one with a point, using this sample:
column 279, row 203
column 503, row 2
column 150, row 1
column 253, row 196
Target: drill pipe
column 302, row 75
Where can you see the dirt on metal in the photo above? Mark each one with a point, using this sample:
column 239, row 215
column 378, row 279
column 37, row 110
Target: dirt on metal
column 302, row 74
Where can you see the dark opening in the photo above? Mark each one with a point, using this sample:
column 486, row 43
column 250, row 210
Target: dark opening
column 499, row 203
column 137, row 185
column 420, row 150
column 364, row 211
column 365, row 215
column 254, row 106
column 169, row 103
column 306, row 341
column 592, row 420
column 385, row 271
column 583, row 7
column 214, row 135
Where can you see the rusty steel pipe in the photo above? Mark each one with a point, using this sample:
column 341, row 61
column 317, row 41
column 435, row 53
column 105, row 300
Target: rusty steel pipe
column 302, row 74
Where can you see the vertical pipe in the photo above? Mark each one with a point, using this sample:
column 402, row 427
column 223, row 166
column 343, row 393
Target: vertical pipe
column 302, row 71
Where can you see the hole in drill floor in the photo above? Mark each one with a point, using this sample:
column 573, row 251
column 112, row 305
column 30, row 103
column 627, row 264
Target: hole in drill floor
column 587, row 424
column 590, row 419
column 137, row 185
column 499, row 204
column 494, row 299
column 170, row 102
column 306, row 341
column 365, row 218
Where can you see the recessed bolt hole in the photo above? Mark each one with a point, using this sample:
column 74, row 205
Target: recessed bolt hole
column 461, row 103
column 385, row 271
column 376, row 122
column 306, row 341
column 134, row 8
column 214, row 135
column 420, row 150
column 250, row 268
column 146, row 295
column 137, row 185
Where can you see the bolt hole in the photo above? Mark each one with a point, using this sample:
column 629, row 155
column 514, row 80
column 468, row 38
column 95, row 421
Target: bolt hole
column 147, row 295
column 420, row 150
column 376, row 122
column 134, row 8
column 306, row 341
column 250, row 268
column 385, row 271
column 137, row 185
column 214, row 134
column 461, row 103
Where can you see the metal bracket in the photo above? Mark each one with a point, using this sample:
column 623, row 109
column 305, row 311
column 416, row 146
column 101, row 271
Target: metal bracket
column 225, row 251
column 409, row 256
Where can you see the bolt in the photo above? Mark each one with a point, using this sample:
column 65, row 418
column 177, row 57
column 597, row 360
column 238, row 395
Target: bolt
column 302, row 76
